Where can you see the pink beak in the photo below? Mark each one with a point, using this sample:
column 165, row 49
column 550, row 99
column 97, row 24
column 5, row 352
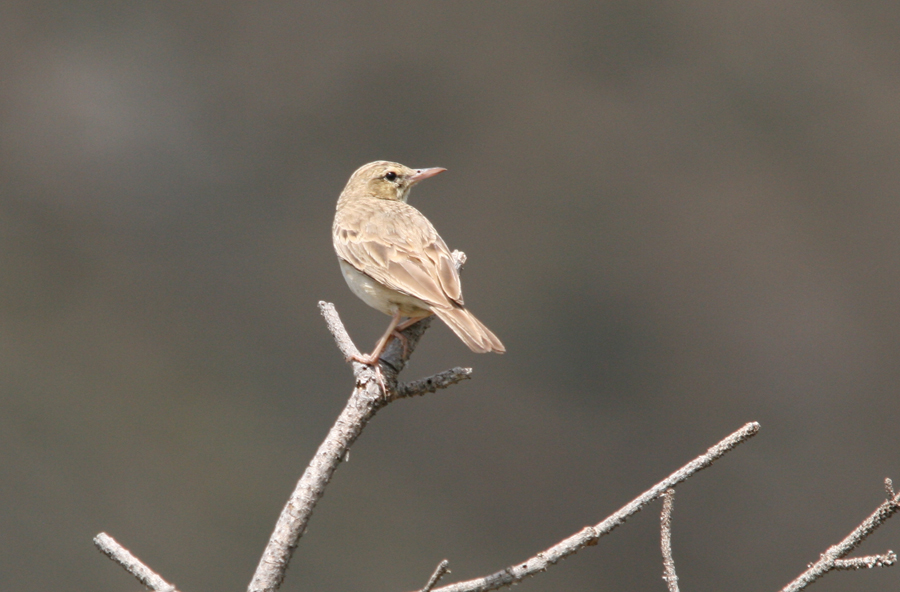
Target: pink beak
column 424, row 174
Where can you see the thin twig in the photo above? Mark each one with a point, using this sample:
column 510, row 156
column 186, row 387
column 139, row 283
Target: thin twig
column 459, row 259
column 433, row 383
column 867, row 562
column 439, row 572
column 146, row 576
column 833, row 558
column 589, row 535
column 334, row 324
column 665, row 519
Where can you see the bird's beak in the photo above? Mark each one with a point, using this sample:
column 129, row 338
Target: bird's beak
column 424, row 174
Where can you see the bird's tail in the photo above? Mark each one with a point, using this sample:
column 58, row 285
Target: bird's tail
column 479, row 338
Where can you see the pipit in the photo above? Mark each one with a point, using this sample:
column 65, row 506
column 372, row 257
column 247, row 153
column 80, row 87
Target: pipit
column 394, row 259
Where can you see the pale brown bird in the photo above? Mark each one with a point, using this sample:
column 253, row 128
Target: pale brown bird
column 394, row 259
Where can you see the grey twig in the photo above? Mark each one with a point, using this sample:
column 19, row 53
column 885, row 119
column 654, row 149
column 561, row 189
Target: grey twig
column 439, row 572
column 589, row 535
column 146, row 576
column 833, row 558
column 433, row 383
column 334, row 324
column 867, row 562
column 669, row 575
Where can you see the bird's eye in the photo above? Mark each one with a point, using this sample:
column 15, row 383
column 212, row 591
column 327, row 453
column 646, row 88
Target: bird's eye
column 391, row 176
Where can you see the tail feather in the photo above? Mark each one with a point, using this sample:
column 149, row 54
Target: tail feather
column 473, row 333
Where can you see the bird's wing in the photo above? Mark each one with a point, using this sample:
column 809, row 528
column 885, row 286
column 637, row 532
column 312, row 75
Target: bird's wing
column 394, row 244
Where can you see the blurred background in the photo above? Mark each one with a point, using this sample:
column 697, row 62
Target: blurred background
column 679, row 217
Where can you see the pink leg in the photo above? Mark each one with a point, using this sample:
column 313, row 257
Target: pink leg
column 401, row 337
column 372, row 358
column 410, row 322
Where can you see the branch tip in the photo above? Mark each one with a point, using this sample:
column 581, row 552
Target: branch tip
column 433, row 383
column 440, row 570
column 868, row 562
column 459, row 259
column 338, row 331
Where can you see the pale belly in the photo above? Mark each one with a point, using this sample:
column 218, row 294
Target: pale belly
column 381, row 298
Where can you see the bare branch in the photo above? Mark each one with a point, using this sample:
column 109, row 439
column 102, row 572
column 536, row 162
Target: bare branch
column 669, row 575
column 439, row 572
column 833, row 558
column 433, row 383
column 589, row 535
column 334, row 324
column 146, row 576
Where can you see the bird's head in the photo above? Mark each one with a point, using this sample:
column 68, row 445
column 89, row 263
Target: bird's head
column 386, row 180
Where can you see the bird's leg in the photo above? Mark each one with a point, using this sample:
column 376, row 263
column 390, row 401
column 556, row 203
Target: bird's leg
column 372, row 358
column 411, row 321
column 404, row 325
column 403, row 341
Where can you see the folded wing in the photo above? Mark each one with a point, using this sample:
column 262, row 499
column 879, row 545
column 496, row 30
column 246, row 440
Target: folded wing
column 399, row 248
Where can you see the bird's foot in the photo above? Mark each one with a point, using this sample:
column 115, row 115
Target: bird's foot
column 379, row 376
column 373, row 361
column 367, row 359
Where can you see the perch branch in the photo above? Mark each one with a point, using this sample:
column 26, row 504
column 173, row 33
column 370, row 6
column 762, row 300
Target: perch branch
column 665, row 519
column 590, row 534
column 146, row 576
column 365, row 400
column 833, row 558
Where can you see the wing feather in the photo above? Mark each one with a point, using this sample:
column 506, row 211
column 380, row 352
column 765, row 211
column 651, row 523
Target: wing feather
column 394, row 244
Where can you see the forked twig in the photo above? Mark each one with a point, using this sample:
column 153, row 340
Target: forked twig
column 833, row 558
column 367, row 398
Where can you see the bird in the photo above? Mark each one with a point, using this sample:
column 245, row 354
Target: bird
column 394, row 260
